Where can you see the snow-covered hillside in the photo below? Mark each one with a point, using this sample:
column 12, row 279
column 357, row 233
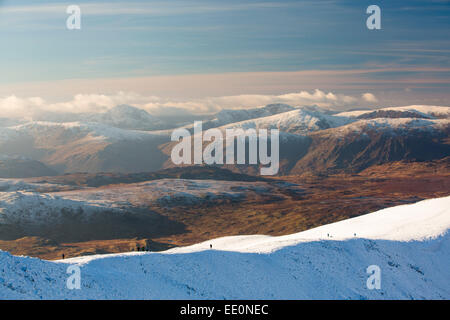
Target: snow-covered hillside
column 410, row 244
column 391, row 126
column 9, row 185
column 71, row 131
column 300, row 121
column 229, row 116
column 31, row 208
column 108, row 142
column 126, row 117
column 433, row 111
column 120, row 116
column 169, row 192
column 85, row 146
column 23, row 203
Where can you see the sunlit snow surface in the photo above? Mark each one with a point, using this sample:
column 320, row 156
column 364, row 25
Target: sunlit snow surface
column 410, row 244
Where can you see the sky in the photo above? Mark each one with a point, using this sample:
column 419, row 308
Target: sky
column 206, row 55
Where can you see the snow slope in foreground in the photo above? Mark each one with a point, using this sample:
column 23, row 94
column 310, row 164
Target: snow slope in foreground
column 410, row 243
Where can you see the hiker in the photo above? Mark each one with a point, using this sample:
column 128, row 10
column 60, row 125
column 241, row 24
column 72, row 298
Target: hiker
column 63, row 256
column 210, row 246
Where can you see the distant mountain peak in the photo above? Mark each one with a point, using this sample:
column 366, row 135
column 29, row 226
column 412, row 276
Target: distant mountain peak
column 227, row 116
column 127, row 117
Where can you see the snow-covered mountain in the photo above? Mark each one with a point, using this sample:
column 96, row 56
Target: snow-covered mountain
column 6, row 122
column 300, row 121
column 410, row 244
column 58, row 211
column 315, row 142
column 121, row 116
column 26, row 203
column 313, row 137
column 34, row 209
column 227, row 116
column 392, row 125
column 361, row 144
column 127, row 117
column 422, row 111
column 85, row 146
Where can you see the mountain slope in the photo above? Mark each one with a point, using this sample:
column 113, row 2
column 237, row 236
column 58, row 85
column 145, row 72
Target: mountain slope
column 424, row 111
column 364, row 143
column 323, row 144
column 85, row 146
column 126, row 117
column 409, row 243
column 14, row 167
column 312, row 140
column 115, row 211
column 300, row 121
column 227, row 116
column 121, row 116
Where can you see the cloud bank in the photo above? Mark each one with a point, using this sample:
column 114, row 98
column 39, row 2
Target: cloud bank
column 369, row 97
column 34, row 107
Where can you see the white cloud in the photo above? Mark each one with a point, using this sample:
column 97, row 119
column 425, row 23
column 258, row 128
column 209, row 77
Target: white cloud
column 28, row 108
column 215, row 104
column 369, row 97
column 14, row 107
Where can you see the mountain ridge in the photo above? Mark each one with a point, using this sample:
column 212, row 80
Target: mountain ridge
column 97, row 147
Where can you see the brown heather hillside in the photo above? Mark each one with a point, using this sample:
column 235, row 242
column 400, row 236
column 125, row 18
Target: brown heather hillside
column 353, row 153
column 351, row 148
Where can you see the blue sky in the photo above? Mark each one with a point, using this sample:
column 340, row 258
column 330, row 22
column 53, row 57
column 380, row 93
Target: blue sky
column 145, row 39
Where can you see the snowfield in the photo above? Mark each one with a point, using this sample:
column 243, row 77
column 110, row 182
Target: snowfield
column 167, row 192
column 410, row 243
column 298, row 121
column 32, row 208
column 392, row 126
column 23, row 203
column 441, row 111
column 77, row 130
